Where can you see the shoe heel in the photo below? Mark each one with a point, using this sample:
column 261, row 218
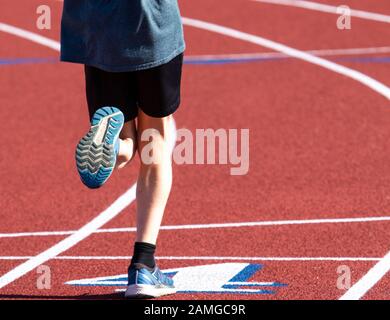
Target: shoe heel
column 96, row 151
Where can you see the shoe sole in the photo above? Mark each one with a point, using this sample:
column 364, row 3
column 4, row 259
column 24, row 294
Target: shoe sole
column 95, row 152
column 139, row 291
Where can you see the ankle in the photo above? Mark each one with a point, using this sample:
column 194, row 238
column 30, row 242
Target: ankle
column 144, row 254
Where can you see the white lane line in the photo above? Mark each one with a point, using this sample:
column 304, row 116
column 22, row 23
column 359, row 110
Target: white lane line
column 348, row 72
column 362, row 259
column 209, row 226
column 113, row 210
column 31, row 36
column 310, row 5
column 36, row 234
column 369, row 280
column 256, row 224
column 320, row 53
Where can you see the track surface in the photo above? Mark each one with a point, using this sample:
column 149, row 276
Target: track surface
column 319, row 146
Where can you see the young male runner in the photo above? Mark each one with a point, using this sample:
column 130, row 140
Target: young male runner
column 132, row 51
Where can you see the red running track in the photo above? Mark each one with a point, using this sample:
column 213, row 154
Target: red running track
column 319, row 146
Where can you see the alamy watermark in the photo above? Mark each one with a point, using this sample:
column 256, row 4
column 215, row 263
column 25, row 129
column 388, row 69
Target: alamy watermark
column 44, row 278
column 344, row 279
column 344, row 20
column 44, row 17
column 204, row 147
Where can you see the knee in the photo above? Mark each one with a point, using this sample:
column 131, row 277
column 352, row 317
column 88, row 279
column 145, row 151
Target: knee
column 156, row 139
column 155, row 150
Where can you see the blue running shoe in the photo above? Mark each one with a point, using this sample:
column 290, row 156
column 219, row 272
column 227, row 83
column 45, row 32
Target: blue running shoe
column 144, row 282
column 97, row 151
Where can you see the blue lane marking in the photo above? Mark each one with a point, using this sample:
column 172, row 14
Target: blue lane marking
column 14, row 61
column 244, row 277
column 366, row 59
column 248, row 284
column 211, row 61
column 246, row 273
column 231, row 60
column 228, row 292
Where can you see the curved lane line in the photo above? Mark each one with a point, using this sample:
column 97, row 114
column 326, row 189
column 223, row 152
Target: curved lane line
column 112, row 211
column 337, row 68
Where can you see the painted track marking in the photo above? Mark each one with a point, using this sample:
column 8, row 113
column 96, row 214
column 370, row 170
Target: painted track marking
column 113, row 210
column 31, row 36
column 321, row 53
column 369, row 280
column 337, row 68
column 209, row 226
column 329, row 9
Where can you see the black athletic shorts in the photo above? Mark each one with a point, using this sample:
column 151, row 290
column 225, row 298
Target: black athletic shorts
column 156, row 91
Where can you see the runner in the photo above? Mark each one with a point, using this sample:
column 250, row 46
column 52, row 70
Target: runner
column 132, row 52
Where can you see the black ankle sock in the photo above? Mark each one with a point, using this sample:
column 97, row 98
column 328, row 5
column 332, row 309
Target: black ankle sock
column 144, row 253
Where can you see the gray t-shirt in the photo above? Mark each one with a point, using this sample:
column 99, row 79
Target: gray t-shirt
column 121, row 35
